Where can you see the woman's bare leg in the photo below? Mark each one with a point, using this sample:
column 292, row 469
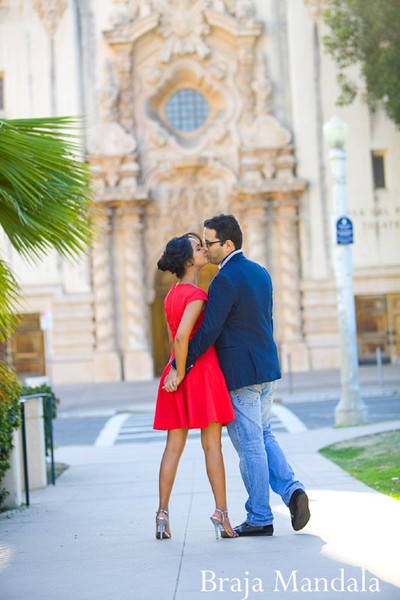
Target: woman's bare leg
column 176, row 441
column 211, row 442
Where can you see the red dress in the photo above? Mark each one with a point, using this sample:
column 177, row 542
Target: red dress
column 202, row 397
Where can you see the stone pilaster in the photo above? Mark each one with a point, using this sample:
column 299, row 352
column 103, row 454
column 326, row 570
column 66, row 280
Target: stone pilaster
column 288, row 283
column 255, row 226
column 106, row 359
column 138, row 362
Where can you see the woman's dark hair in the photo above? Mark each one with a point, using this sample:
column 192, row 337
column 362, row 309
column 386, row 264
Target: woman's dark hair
column 176, row 254
column 226, row 228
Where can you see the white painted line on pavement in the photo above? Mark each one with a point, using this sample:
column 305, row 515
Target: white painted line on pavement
column 110, row 431
column 288, row 419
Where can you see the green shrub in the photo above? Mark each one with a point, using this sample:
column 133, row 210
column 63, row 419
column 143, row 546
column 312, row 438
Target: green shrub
column 10, row 392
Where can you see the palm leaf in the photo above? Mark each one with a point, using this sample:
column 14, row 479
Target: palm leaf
column 9, row 297
column 9, row 384
column 45, row 196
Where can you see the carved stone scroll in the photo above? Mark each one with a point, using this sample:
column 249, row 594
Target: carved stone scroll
column 50, row 13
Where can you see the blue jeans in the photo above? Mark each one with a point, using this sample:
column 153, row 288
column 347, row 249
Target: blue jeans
column 262, row 461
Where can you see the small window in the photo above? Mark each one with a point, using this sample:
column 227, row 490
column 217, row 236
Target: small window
column 1, row 91
column 187, row 110
column 378, row 169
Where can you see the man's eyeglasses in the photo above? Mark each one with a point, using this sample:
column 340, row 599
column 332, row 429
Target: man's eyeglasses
column 208, row 244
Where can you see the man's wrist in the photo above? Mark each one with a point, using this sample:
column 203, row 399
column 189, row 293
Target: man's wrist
column 173, row 365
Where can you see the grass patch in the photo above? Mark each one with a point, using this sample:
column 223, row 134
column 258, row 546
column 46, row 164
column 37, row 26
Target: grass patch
column 373, row 459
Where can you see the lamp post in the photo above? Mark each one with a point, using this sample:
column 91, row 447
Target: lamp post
column 351, row 409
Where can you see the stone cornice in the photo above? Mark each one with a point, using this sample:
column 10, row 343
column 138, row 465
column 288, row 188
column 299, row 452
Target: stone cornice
column 272, row 187
column 133, row 32
column 233, row 26
column 125, row 196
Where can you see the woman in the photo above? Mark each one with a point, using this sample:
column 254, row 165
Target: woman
column 202, row 400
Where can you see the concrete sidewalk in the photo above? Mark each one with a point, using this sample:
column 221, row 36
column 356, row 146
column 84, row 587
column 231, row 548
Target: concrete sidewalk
column 91, row 537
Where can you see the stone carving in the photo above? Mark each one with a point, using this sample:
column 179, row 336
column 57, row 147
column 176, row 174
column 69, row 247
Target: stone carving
column 125, row 11
column 110, row 139
column 262, row 90
column 123, row 66
column 268, row 167
column 265, row 132
column 183, row 27
column 50, row 13
column 240, row 159
column 245, row 80
column 183, row 205
column 315, row 7
column 111, row 148
column 218, row 69
column 241, row 9
column 285, row 164
column 108, row 95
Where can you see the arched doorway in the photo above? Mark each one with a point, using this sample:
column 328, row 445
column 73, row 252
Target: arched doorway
column 161, row 343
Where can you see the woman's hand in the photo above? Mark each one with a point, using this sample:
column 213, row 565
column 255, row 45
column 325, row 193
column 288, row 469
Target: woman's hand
column 172, row 381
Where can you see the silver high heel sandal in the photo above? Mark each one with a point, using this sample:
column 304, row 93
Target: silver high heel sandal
column 222, row 525
column 162, row 524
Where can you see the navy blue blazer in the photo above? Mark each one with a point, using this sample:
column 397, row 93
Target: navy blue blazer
column 238, row 321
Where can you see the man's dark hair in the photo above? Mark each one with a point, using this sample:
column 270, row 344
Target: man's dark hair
column 226, row 228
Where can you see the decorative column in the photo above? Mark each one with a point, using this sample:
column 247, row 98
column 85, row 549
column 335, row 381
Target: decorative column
column 287, row 276
column 255, row 224
column 107, row 365
column 138, row 361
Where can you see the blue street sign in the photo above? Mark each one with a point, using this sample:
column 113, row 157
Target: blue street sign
column 344, row 231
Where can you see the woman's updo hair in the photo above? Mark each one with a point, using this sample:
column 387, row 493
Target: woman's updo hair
column 175, row 256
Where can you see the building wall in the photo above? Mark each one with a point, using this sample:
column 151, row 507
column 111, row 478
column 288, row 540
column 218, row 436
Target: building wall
column 262, row 155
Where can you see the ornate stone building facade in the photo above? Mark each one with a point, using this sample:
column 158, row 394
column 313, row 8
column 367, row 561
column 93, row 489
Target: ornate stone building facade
column 196, row 107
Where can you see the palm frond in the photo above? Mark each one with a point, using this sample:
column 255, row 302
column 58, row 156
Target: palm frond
column 9, row 384
column 9, row 298
column 45, row 196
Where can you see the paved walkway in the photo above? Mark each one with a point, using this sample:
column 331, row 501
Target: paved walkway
column 91, row 537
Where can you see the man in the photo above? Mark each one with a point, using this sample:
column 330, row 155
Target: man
column 238, row 320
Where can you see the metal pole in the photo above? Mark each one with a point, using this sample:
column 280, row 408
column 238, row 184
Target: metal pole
column 49, row 401
column 24, row 452
column 351, row 409
column 379, row 366
column 290, row 374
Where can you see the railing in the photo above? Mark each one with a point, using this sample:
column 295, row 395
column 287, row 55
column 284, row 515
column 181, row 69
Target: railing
column 48, row 407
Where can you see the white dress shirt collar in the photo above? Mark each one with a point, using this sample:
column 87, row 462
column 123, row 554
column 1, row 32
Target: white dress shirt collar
column 228, row 257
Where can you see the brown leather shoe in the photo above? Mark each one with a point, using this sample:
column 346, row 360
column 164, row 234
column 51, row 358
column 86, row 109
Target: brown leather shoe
column 299, row 511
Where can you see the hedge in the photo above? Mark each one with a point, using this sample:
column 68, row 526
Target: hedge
column 10, row 392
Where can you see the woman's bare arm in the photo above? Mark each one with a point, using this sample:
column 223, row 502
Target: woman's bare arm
column 187, row 322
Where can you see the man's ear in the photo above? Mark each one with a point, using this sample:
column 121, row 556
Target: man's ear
column 231, row 245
